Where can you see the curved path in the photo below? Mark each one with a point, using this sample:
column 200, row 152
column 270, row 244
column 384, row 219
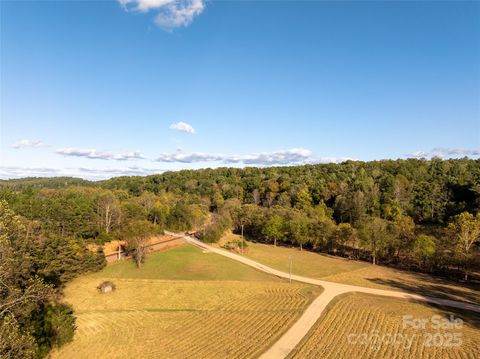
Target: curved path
column 294, row 335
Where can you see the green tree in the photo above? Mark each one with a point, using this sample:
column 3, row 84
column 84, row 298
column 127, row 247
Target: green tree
column 298, row 227
column 217, row 201
column 345, row 235
column 158, row 213
column 21, row 291
column 54, row 326
column 303, row 200
column 321, row 232
column 402, row 229
column 375, row 236
column 59, row 259
column 424, row 248
column 24, row 295
column 273, row 229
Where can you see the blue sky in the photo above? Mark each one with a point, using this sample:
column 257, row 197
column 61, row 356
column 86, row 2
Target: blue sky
column 94, row 89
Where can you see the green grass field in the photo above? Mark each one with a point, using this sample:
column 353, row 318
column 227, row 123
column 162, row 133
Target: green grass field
column 182, row 303
column 304, row 263
column 340, row 331
column 185, row 263
column 359, row 273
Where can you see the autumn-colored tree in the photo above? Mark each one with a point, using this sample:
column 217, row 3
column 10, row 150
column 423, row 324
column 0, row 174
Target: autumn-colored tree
column 465, row 229
column 137, row 235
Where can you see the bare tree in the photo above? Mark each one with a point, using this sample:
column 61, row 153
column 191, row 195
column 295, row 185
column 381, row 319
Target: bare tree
column 108, row 210
column 256, row 196
column 137, row 235
column 147, row 201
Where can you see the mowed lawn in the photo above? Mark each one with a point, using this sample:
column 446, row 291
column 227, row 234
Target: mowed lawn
column 185, row 263
column 340, row 270
column 366, row 326
column 182, row 303
column 304, row 263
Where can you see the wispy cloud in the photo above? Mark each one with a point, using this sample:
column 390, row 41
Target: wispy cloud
column 445, row 152
column 102, row 155
column 113, row 172
column 28, row 143
column 18, row 172
column 332, row 160
column 193, row 157
column 170, row 13
column 87, row 173
column 281, row 157
column 182, row 127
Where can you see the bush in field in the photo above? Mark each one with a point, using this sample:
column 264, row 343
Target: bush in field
column 213, row 232
column 236, row 246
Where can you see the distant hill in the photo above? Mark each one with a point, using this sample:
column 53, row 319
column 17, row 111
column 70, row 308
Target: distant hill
column 19, row 184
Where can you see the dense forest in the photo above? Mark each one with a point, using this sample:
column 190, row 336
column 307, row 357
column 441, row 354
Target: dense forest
column 34, row 266
column 417, row 214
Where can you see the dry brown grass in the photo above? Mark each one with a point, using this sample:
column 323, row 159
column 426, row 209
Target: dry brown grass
column 356, row 314
column 194, row 318
column 229, row 236
column 340, row 270
column 418, row 283
column 304, row 262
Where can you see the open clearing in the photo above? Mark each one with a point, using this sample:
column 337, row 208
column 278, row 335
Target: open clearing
column 180, row 304
column 336, row 334
column 340, row 270
column 305, row 263
column 184, row 263
column 300, row 330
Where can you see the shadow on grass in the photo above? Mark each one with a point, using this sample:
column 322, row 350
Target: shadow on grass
column 440, row 289
column 469, row 318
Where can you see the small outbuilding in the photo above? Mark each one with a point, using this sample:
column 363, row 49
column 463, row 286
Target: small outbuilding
column 106, row 287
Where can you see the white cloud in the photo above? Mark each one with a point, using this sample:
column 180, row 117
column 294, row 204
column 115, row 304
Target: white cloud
column 143, row 5
column 445, row 152
column 182, row 127
column 114, row 172
column 102, row 155
column 86, row 173
column 281, row 157
column 179, row 13
column 170, row 13
column 28, row 143
column 183, row 157
column 19, row 172
column 332, row 160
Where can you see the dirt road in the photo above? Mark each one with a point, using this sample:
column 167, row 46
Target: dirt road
column 294, row 335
